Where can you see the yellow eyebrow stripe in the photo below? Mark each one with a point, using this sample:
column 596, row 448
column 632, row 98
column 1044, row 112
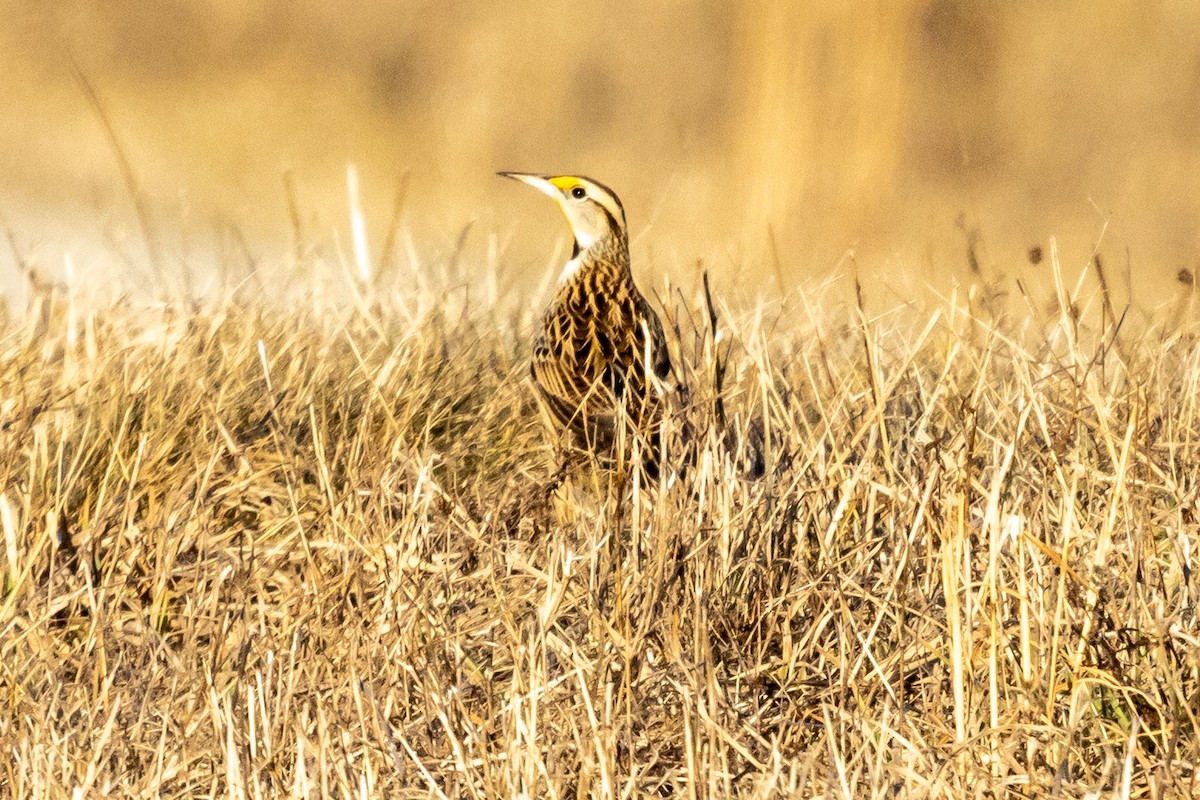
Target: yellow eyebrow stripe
column 565, row 182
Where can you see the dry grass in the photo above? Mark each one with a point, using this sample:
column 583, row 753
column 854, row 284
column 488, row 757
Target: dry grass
column 303, row 546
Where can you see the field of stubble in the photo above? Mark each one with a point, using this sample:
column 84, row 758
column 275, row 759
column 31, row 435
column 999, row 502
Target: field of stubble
column 308, row 544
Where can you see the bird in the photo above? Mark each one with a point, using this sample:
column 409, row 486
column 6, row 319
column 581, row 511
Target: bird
column 600, row 353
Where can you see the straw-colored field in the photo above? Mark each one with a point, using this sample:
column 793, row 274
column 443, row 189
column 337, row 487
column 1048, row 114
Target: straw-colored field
column 279, row 515
column 303, row 545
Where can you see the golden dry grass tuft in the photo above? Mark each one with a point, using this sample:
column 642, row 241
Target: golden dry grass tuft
column 305, row 546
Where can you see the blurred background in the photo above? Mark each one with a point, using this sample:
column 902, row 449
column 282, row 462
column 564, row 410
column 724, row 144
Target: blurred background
column 778, row 143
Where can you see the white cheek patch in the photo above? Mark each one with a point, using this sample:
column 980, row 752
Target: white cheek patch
column 585, row 238
column 581, row 229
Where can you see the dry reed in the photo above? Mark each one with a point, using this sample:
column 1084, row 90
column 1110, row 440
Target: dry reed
column 303, row 546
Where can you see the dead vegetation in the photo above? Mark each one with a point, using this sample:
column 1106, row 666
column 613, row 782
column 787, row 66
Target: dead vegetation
column 303, row 546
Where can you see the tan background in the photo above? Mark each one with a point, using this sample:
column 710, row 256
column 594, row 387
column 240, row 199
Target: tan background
column 733, row 132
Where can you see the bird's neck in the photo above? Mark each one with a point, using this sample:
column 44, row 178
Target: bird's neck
column 609, row 252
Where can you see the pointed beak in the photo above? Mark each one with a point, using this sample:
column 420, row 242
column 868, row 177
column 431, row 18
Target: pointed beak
column 540, row 182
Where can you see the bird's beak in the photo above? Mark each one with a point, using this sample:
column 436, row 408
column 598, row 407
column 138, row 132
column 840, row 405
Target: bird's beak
column 540, row 182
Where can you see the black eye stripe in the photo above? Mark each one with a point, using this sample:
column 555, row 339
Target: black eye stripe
column 612, row 222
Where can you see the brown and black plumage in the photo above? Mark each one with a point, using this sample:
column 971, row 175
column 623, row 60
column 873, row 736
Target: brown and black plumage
column 600, row 351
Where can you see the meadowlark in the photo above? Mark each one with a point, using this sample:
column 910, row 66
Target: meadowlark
column 600, row 354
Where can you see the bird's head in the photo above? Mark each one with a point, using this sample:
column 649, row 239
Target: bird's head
column 592, row 209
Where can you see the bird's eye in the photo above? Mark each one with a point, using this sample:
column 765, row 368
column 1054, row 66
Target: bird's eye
column 578, row 193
